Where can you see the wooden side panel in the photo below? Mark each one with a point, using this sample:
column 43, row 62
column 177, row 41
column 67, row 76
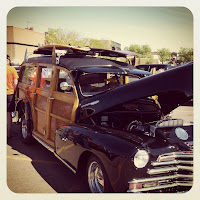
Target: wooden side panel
column 40, row 125
column 62, row 109
column 55, row 123
column 41, row 102
column 61, row 112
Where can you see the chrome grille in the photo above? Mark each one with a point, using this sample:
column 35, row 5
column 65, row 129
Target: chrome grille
column 168, row 171
column 173, row 162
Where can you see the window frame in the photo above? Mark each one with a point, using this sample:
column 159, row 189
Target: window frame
column 55, row 88
column 22, row 73
column 40, row 67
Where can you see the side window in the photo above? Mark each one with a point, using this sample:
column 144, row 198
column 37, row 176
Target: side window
column 29, row 75
column 157, row 70
column 133, row 78
column 63, row 76
column 45, row 77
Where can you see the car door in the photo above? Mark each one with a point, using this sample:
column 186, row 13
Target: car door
column 63, row 104
column 27, row 84
column 42, row 102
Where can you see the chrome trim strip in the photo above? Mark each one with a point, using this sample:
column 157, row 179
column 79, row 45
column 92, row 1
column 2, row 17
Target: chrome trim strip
column 178, row 156
column 169, row 169
column 183, row 154
column 64, row 162
column 90, row 104
column 161, row 178
column 44, row 144
column 172, row 162
column 179, row 153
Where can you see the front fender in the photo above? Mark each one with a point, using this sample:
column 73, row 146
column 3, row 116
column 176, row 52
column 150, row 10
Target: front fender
column 116, row 153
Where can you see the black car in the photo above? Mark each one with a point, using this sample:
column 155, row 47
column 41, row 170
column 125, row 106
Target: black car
column 155, row 68
column 105, row 119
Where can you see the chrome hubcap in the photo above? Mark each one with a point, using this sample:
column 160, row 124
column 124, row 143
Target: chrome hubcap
column 24, row 128
column 95, row 178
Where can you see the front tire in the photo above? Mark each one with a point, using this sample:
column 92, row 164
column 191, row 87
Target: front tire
column 97, row 178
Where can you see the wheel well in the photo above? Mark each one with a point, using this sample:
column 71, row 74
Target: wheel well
column 82, row 163
column 21, row 108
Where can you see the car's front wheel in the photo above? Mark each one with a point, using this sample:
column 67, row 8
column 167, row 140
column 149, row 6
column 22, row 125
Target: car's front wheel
column 98, row 181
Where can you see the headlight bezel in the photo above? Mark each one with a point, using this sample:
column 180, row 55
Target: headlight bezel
column 141, row 158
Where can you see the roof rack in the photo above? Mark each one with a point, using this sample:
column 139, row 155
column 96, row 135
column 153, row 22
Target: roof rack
column 57, row 50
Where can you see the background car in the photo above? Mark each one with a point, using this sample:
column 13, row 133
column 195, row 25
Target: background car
column 155, row 68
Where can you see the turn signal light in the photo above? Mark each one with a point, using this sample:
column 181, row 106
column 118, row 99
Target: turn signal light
column 135, row 186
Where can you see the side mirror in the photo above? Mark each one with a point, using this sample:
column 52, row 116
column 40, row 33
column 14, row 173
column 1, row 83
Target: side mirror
column 64, row 86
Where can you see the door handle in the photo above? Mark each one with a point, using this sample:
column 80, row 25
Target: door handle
column 51, row 98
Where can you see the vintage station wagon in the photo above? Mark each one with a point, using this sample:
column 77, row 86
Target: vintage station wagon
column 106, row 120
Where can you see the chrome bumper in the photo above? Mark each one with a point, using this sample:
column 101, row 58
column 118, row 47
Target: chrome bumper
column 169, row 171
column 158, row 183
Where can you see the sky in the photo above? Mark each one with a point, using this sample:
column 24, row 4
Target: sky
column 158, row 27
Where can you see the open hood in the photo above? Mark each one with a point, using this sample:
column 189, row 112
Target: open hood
column 173, row 88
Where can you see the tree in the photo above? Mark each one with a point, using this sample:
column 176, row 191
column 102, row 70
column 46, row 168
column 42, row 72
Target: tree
column 96, row 43
column 185, row 54
column 164, row 54
column 135, row 48
column 58, row 36
column 73, row 39
column 143, row 51
column 55, row 36
column 146, row 51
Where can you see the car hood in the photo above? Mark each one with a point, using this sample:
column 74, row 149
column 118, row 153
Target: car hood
column 173, row 88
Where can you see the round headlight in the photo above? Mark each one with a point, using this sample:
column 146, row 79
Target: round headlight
column 181, row 133
column 141, row 158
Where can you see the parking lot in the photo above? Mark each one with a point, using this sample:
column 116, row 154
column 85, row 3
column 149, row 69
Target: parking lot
column 33, row 169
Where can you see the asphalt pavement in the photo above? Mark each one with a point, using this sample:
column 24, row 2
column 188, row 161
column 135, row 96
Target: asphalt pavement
column 34, row 169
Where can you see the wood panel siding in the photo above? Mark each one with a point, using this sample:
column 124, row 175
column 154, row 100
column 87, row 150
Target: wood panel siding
column 62, row 109
column 41, row 102
column 40, row 117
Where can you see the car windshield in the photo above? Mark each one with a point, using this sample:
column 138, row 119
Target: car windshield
column 94, row 83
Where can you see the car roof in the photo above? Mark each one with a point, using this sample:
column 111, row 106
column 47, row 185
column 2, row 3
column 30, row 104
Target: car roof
column 83, row 59
column 90, row 64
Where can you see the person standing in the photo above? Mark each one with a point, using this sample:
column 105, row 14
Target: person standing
column 12, row 80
